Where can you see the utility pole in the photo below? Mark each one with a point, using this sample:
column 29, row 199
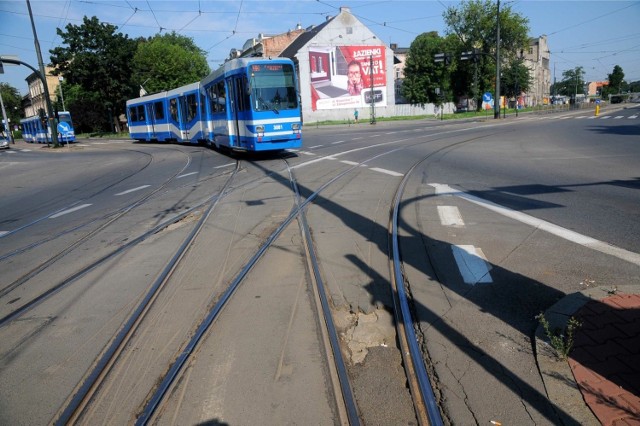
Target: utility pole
column 7, row 126
column 52, row 120
column 372, row 94
column 496, row 113
column 60, row 79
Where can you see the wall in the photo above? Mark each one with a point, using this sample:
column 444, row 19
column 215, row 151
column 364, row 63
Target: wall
column 338, row 42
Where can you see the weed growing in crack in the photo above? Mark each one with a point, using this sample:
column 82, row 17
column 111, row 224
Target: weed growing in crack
column 561, row 342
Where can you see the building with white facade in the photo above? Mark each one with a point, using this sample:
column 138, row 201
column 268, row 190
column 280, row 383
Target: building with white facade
column 342, row 67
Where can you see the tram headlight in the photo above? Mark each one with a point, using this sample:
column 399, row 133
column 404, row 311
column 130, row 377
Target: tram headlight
column 260, row 133
column 296, row 127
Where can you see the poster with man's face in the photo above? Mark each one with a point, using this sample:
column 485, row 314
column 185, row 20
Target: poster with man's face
column 347, row 76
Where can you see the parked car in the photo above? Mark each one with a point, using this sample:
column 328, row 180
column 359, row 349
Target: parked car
column 4, row 143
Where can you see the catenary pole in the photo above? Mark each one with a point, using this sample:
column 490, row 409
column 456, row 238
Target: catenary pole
column 496, row 113
column 51, row 118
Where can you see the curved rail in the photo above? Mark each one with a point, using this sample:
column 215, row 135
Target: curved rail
column 345, row 386
column 426, row 407
column 111, row 218
column 102, row 366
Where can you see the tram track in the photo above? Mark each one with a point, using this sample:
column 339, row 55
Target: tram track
column 83, row 394
column 74, row 409
column 103, row 223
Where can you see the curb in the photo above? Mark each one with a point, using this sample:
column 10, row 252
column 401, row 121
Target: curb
column 557, row 376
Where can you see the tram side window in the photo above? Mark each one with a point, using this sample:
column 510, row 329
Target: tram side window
column 217, row 97
column 243, row 95
column 221, row 93
column 202, row 104
column 159, row 110
column 133, row 113
column 192, row 107
column 141, row 112
column 173, row 108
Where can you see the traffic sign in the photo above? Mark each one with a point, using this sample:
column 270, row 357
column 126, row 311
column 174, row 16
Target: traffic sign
column 487, row 97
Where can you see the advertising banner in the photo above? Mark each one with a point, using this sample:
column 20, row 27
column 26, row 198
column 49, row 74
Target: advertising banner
column 347, row 76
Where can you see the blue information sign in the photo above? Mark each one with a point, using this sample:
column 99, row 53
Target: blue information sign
column 64, row 127
column 487, row 97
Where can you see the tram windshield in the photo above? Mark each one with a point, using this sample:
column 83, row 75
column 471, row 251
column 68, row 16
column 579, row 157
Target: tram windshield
column 65, row 118
column 273, row 87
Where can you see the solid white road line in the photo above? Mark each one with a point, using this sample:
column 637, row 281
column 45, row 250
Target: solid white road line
column 133, row 190
column 472, row 264
column 543, row 225
column 71, row 210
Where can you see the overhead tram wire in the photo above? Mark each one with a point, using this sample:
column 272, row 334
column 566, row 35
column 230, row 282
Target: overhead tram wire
column 154, row 16
column 238, row 17
column 592, row 19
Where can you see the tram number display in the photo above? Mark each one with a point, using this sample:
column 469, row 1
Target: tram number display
column 269, row 67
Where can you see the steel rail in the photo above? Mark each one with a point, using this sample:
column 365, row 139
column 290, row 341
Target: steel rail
column 343, row 377
column 86, row 390
column 413, row 354
column 110, row 218
column 168, row 379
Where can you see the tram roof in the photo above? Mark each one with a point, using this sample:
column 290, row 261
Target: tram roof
column 238, row 63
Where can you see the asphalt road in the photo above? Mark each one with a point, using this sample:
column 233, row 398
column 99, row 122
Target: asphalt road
column 500, row 219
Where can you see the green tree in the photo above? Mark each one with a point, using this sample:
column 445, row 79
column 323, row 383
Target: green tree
column 572, row 83
column 423, row 75
column 515, row 78
column 167, row 61
column 474, row 23
column 616, row 82
column 12, row 103
column 88, row 113
column 98, row 59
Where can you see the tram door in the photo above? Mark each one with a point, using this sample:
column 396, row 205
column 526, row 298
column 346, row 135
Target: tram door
column 151, row 121
column 183, row 108
column 234, row 139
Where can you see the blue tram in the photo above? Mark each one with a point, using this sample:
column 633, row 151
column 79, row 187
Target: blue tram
column 248, row 104
column 33, row 130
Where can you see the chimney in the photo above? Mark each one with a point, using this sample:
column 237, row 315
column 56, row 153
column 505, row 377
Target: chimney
column 345, row 9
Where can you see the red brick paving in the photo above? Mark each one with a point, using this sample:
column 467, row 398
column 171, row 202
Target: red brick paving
column 605, row 360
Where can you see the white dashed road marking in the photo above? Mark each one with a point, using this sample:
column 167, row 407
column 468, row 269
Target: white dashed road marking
column 472, row 264
column 543, row 225
column 450, row 216
column 385, row 171
column 187, row 174
column 71, row 210
column 133, row 190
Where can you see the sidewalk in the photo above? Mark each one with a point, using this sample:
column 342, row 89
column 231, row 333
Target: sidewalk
column 600, row 383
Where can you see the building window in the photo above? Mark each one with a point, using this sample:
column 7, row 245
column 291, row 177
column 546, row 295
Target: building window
column 349, row 30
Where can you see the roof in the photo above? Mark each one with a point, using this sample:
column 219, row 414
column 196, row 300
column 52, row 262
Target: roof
column 304, row 38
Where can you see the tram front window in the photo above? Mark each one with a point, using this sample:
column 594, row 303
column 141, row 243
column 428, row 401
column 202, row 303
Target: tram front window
column 273, row 87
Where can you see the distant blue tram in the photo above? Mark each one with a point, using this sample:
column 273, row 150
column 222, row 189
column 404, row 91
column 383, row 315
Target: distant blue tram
column 248, row 104
column 34, row 131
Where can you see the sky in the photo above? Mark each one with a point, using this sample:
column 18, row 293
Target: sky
column 596, row 35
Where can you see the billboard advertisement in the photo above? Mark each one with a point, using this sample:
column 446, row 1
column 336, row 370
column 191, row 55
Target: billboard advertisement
column 347, row 76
